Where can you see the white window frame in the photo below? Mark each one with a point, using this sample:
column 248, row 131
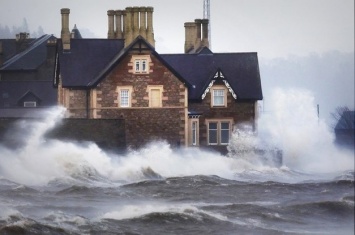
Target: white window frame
column 219, row 130
column 194, row 132
column 214, row 95
column 129, row 92
column 141, row 64
column 30, row 104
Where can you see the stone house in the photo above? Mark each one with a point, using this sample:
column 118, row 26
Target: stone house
column 189, row 99
column 26, row 74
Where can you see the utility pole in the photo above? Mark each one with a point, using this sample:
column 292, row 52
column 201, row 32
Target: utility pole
column 207, row 15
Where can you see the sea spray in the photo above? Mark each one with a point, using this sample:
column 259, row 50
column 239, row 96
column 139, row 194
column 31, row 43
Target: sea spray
column 307, row 143
column 292, row 126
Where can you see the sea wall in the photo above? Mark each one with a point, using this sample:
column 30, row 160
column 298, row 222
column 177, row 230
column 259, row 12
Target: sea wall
column 108, row 134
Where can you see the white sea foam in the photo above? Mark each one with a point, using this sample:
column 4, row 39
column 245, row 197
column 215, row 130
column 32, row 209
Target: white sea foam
column 292, row 126
column 136, row 211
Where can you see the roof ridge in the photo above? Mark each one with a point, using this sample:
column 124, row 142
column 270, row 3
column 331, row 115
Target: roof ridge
column 33, row 45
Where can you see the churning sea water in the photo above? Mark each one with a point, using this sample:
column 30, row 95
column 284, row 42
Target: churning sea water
column 57, row 187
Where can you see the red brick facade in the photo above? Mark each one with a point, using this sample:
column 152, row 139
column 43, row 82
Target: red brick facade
column 143, row 124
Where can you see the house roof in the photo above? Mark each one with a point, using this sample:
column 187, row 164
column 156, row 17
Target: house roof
column 240, row 70
column 29, row 59
column 90, row 60
column 86, row 59
column 12, row 92
column 141, row 43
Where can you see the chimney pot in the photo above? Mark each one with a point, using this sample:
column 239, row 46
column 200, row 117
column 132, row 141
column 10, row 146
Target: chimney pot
column 119, row 20
column 205, row 41
column 198, row 34
column 65, row 33
column 111, row 31
column 150, row 32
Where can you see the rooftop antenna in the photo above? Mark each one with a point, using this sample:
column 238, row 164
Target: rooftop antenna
column 207, row 15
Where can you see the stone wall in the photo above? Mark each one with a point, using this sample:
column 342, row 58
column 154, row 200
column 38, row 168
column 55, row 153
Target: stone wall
column 239, row 111
column 145, row 124
column 108, row 134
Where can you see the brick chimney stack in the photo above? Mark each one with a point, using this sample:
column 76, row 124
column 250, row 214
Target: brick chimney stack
column 119, row 21
column 194, row 39
column 135, row 25
column 128, row 34
column 150, row 32
column 137, row 21
column 143, row 22
column 205, row 42
column 189, row 36
column 65, row 33
column 111, row 23
column 198, row 33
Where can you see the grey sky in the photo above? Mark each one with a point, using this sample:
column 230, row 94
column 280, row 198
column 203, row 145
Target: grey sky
column 273, row 28
column 295, row 39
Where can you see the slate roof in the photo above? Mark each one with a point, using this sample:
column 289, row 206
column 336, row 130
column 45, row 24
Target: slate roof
column 12, row 92
column 141, row 43
column 241, row 70
column 89, row 61
column 29, row 59
column 86, row 59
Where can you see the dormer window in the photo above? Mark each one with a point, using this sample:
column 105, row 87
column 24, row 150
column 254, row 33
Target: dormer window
column 30, row 104
column 218, row 96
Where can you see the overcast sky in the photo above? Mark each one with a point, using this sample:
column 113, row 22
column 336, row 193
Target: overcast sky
column 273, row 28
column 295, row 39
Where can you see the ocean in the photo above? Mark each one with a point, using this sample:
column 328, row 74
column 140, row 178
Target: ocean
column 52, row 186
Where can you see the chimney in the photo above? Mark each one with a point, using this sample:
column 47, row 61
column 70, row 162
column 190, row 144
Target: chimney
column 65, row 33
column 128, row 26
column 135, row 25
column 111, row 22
column 198, row 34
column 119, row 19
column 190, row 37
column 51, row 47
column 143, row 22
column 150, row 33
column 205, row 42
column 21, row 41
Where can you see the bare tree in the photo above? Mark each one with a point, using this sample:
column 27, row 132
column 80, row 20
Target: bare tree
column 343, row 118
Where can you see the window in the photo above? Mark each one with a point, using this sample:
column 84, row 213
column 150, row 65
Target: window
column 29, row 104
column 212, row 133
column 219, row 98
column 194, row 132
column 155, row 96
column 225, row 132
column 124, row 96
column 140, row 66
column 219, row 132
